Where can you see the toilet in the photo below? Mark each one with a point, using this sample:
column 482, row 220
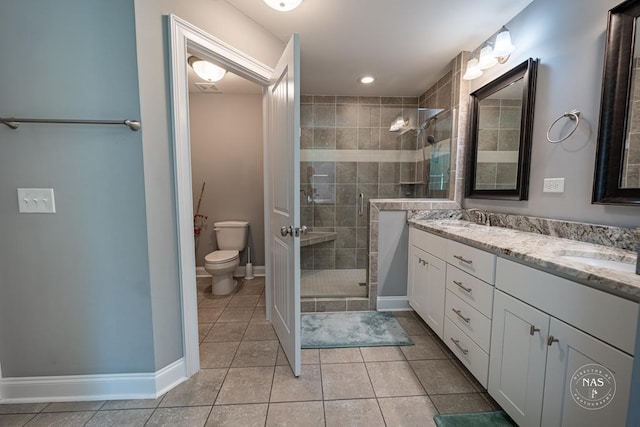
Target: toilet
column 232, row 238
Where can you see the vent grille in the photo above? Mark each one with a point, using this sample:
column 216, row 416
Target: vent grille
column 208, row 88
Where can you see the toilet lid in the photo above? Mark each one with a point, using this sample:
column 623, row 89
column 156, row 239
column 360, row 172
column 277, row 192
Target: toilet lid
column 221, row 256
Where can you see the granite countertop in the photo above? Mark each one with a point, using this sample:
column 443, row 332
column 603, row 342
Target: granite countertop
column 554, row 255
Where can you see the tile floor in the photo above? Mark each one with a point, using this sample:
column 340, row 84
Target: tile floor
column 246, row 381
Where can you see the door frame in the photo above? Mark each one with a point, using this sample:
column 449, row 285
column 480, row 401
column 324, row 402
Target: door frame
column 184, row 36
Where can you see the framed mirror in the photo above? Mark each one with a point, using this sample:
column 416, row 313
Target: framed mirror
column 499, row 151
column 617, row 175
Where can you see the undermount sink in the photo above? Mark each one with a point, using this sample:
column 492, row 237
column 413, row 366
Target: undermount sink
column 611, row 261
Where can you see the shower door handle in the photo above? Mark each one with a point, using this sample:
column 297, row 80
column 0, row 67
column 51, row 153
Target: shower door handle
column 360, row 204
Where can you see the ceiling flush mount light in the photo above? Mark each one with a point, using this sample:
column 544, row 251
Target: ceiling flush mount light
column 487, row 59
column 283, row 5
column 473, row 70
column 206, row 70
column 503, row 47
column 366, row 80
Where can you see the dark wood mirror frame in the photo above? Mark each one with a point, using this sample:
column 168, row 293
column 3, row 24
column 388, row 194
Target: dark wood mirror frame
column 616, row 84
column 526, row 71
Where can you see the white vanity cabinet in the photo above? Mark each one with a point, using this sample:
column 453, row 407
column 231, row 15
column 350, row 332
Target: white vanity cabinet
column 545, row 328
column 426, row 277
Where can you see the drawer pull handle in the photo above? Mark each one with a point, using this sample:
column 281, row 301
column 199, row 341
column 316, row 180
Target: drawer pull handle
column 457, row 343
column 462, row 287
column 551, row 340
column 459, row 313
column 466, row 261
column 533, row 330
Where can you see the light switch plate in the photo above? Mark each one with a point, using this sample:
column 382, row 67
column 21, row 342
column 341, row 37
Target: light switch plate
column 553, row 185
column 36, row 200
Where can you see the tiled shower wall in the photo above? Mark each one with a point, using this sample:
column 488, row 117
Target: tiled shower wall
column 631, row 164
column 347, row 149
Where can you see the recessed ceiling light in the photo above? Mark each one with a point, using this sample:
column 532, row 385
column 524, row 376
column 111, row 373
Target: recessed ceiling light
column 366, row 80
column 283, row 5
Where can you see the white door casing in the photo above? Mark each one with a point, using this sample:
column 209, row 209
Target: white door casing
column 282, row 194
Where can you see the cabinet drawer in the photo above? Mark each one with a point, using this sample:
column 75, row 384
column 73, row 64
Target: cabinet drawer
column 607, row 317
column 474, row 261
column 469, row 320
column 470, row 289
column 428, row 242
column 469, row 353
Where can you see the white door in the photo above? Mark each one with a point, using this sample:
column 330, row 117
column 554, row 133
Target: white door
column 282, row 100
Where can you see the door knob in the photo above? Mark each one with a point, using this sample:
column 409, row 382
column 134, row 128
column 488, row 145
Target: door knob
column 284, row 231
column 300, row 231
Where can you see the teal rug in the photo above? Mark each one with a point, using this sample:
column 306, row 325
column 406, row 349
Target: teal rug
column 480, row 419
column 354, row 329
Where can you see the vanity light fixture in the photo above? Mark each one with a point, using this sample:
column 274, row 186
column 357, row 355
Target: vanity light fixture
column 283, row 5
column 487, row 59
column 503, row 46
column 473, row 70
column 206, row 70
column 399, row 123
column 366, row 80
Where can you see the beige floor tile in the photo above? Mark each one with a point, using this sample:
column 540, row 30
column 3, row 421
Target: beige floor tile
column 11, row 420
column 282, row 360
column 256, row 353
column 22, row 408
column 287, row 388
column 199, row 390
column 413, row 411
column 236, row 314
column 391, row 379
column 425, row 347
column 441, row 377
column 340, row 355
column 214, row 301
column 260, row 331
column 193, row 416
column 203, row 328
column 66, row 419
column 217, row 354
column 121, row 418
column 346, row 381
column 310, row 356
column 246, row 385
column 238, row 415
column 460, row 403
column 413, row 326
column 381, row 354
column 260, row 315
column 74, row 406
column 262, row 301
column 112, row 405
column 251, row 287
column 209, row 315
column 244, row 301
column 226, row 331
column 353, row 413
column 307, row 414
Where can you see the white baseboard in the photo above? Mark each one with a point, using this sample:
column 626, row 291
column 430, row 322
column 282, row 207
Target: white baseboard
column 73, row 388
column 258, row 270
column 393, row 304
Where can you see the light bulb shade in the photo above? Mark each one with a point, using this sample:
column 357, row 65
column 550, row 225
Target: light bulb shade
column 473, row 71
column 487, row 60
column 206, row 70
column 283, row 5
column 503, row 46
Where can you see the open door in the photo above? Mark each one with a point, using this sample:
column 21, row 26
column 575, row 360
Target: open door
column 282, row 185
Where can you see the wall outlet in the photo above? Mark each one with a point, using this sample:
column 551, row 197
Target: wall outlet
column 36, row 200
column 553, row 185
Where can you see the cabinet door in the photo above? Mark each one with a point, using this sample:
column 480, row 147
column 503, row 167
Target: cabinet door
column 426, row 287
column 517, row 358
column 573, row 350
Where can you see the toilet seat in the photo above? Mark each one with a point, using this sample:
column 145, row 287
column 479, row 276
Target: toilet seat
column 221, row 257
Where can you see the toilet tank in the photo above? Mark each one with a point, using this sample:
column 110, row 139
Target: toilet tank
column 231, row 235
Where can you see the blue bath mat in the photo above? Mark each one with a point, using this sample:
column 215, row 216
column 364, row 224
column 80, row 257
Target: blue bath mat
column 356, row 329
column 479, row 419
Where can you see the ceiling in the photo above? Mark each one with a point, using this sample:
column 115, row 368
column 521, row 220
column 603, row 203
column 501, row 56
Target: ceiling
column 405, row 44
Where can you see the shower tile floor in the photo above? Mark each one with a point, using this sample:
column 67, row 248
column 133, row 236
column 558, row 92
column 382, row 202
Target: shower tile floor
column 245, row 380
column 333, row 283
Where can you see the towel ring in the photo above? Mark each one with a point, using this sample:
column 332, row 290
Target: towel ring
column 573, row 115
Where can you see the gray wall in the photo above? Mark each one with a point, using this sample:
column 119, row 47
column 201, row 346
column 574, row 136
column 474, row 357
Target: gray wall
column 569, row 38
column 393, row 245
column 226, row 153
column 74, row 286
